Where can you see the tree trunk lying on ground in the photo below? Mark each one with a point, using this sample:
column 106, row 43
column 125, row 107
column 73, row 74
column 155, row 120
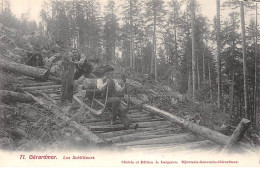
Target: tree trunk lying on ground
column 109, row 128
column 131, row 131
column 57, row 111
column 194, row 128
column 41, row 87
column 139, row 135
column 105, row 127
column 174, row 147
column 191, row 146
column 236, row 136
column 36, row 84
column 29, row 71
column 11, row 96
column 177, row 138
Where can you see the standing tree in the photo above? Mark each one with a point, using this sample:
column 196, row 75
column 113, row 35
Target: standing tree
column 132, row 58
column 230, row 61
column 256, row 75
column 218, row 54
column 244, row 56
column 93, row 29
column 110, row 31
column 171, row 42
column 154, row 13
column 131, row 11
column 193, row 66
column 231, row 64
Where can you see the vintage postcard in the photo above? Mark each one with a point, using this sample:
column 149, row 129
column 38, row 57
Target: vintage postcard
column 129, row 83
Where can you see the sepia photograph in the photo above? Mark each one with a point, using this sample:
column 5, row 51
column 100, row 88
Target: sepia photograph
column 129, row 83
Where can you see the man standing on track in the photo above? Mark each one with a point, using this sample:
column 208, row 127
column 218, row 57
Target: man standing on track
column 83, row 65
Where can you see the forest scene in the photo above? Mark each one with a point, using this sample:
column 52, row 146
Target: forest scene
column 182, row 68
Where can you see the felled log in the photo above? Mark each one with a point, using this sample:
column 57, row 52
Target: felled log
column 138, row 115
column 109, row 128
column 11, row 96
column 236, row 136
column 178, row 138
column 29, row 71
column 57, row 111
column 194, row 128
column 130, row 131
column 41, row 87
column 37, row 84
column 173, row 147
column 99, row 123
column 140, row 135
column 141, row 112
column 145, row 119
column 153, row 124
column 143, row 137
column 86, row 133
column 106, row 128
column 194, row 145
column 201, row 145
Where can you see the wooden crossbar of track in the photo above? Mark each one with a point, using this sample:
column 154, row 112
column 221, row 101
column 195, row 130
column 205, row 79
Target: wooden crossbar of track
column 153, row 133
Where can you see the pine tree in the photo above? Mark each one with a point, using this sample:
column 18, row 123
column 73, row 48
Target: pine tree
column 154, row 13
column 193, row 66
column 131, row 13
column 110, row 31
column 172, row 32
column 256, row 96
column 218, row 54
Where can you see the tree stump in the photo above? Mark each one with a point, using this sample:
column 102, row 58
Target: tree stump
column 67, row 80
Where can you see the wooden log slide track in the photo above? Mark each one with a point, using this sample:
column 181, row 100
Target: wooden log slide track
column 158, row 130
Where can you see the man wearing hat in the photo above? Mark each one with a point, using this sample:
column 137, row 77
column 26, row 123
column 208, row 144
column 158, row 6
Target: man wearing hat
column 113, row 91
column 83, row 66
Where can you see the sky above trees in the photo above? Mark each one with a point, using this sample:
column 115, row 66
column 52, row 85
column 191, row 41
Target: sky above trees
column 208, row 8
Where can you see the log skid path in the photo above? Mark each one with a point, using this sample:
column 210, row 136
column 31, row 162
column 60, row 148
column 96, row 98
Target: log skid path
column 153, row 134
